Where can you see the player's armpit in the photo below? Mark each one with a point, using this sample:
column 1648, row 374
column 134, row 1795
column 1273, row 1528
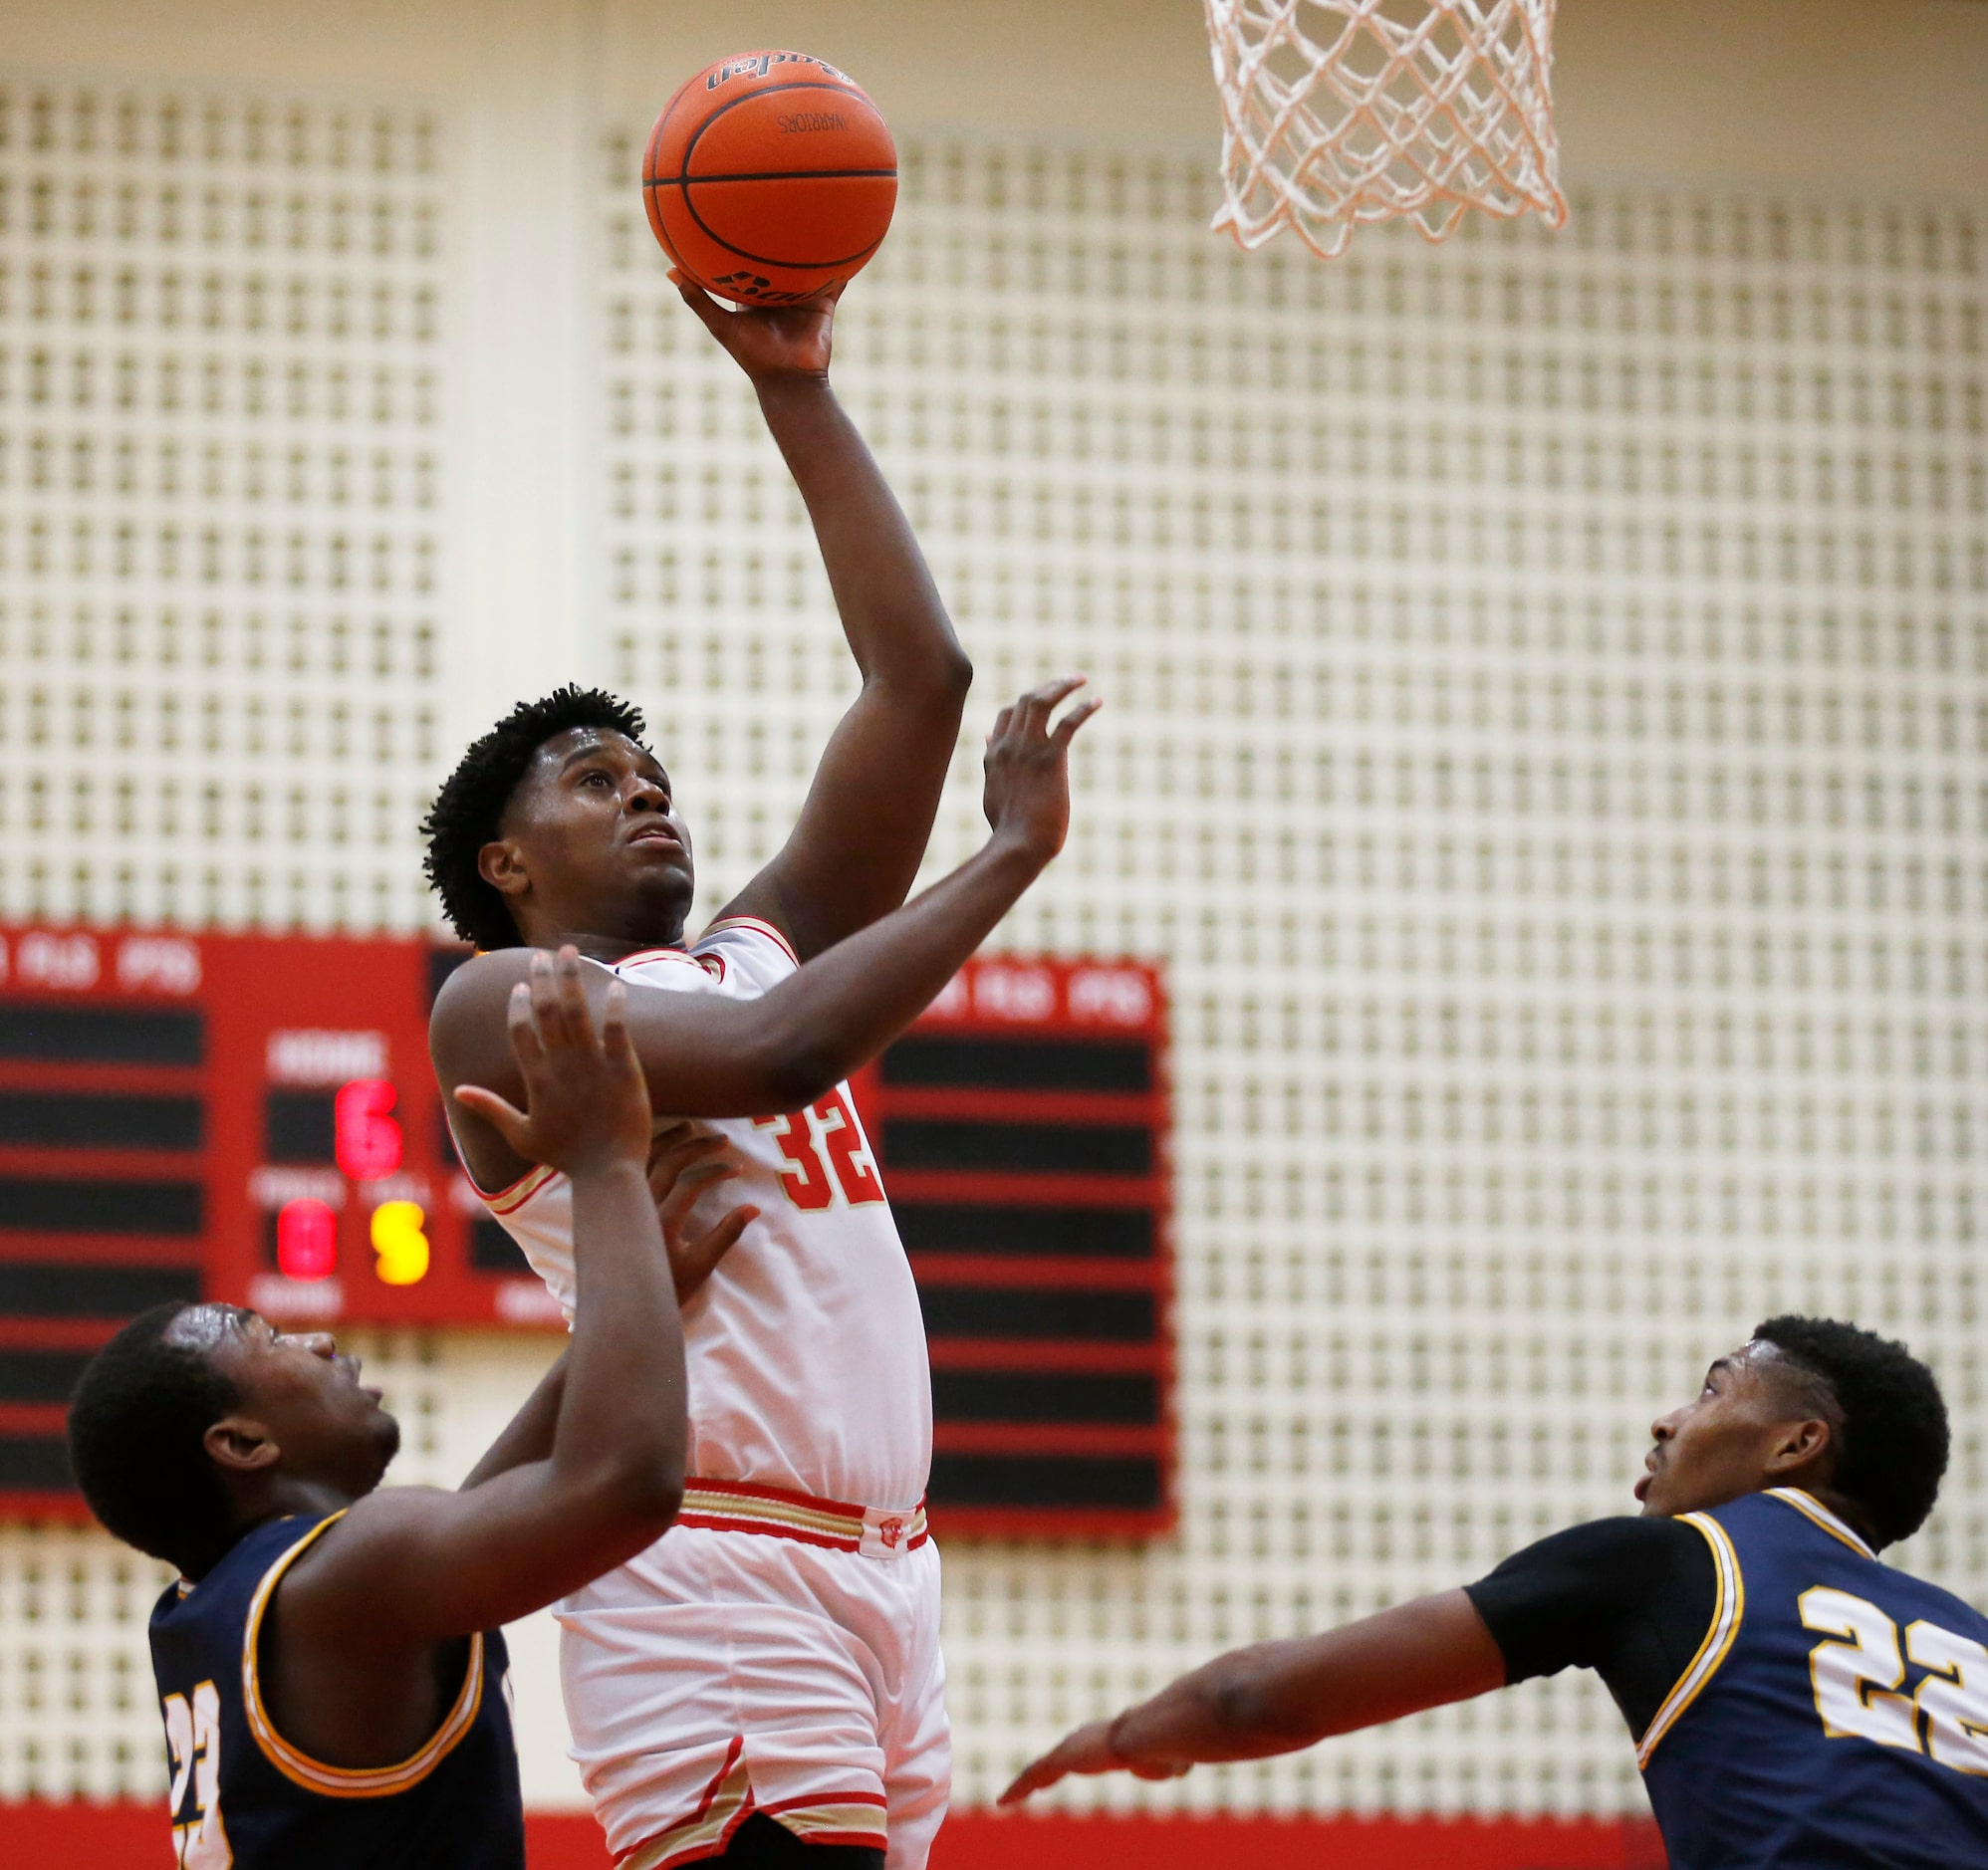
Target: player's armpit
column 856, row 848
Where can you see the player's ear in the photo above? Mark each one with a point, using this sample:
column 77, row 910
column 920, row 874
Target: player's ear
column 241, row 1445
column 1807, row 1444
column 501, row 865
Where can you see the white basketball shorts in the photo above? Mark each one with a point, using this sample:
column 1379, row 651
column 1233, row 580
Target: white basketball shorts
column 728, row 1671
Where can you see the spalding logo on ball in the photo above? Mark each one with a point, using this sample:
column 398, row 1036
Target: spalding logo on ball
column 770, row 177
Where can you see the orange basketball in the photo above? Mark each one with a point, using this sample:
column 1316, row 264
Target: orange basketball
column 769, row 177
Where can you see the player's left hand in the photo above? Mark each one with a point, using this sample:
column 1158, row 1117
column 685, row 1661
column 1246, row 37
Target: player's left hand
column 1086, row 1751
column 768, row 341
column 682, row 1163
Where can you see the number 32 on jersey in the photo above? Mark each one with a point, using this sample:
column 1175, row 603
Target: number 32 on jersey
column 826, row 1128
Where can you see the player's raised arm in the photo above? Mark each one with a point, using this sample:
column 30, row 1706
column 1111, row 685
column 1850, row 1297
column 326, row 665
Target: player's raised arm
column 415, row 1563
column 682, row 1163
column 1275, row 1697
column 707, row 1056
column 861, row 833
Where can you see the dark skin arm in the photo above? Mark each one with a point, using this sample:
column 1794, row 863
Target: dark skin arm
column 710, row 1058
column 1276, row 1698
column 868, row 815
column 682, row 1164
column 362, row 1644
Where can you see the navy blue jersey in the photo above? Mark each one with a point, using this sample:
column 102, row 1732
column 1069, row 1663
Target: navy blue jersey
column 242, row 1795
column 1834, row 1715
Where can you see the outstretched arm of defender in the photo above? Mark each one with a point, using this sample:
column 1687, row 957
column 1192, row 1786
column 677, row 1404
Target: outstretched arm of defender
column 1276, row 1698
column 862, row 832
column 412, row 1564
column 709, row 1056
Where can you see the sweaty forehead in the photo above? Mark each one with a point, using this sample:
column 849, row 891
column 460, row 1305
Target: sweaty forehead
column 207, row 1327
column 1764, row 1365
column 577, row 742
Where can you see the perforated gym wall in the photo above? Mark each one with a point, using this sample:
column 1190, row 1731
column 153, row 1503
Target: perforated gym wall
column 1547, row 680
column 1543, row 741
column 219, row 517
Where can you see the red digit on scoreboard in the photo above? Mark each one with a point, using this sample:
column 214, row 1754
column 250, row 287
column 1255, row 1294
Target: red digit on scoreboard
column 368, row 1140
column 307, row 1239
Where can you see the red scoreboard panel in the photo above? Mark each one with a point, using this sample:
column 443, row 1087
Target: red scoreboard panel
column 1022, row 1126
column 186, row 1115
column 253, row 1118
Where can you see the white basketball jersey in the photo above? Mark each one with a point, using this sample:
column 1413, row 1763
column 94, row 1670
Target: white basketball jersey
column 806, row 1349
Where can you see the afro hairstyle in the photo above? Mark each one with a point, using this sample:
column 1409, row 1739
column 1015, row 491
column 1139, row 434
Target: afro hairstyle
column 1894, row 1441
column 470, row 810
column 137, row 1426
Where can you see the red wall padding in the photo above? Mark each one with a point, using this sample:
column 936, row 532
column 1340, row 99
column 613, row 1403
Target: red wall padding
column 133, row 1837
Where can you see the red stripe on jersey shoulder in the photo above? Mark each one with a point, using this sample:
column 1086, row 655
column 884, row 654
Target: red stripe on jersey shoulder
column 758, row 927
column 643, row 956
column 510, row 1199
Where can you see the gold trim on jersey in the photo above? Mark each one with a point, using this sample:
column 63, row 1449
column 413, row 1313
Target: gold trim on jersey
column 511, row 1199
column 745, row 1506
column 345, row 1782
column 753, row 922
column 852, row 1820
column 707, row 1829
column 1728, row 1607
column 1812, row 1509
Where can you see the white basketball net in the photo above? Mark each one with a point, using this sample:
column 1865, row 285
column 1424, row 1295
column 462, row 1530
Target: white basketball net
column 1338, row 111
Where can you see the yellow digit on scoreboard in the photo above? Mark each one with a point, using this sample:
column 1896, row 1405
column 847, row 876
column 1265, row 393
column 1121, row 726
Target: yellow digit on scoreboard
column 399, row 1243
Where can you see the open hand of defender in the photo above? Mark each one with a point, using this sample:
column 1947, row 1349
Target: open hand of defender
column 1088, row 1750
column 587, row 1101
column 1027, row 795
column 768, row 341
column 682, row 1164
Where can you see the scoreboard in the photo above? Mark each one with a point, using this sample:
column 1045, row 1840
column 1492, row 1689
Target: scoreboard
column 253, row 1118
column 243, row 1118
column 1022, row 1128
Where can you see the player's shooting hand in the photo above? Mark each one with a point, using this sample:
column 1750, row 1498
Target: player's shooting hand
column 1027, row 796
column 682, row 1164
column 587, row 1102
column 1088, row 1749
column 768, row 342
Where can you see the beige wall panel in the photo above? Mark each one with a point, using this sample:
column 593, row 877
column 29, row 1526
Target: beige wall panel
column 1837, row 94
column 1485, row 394
column 1831, row 92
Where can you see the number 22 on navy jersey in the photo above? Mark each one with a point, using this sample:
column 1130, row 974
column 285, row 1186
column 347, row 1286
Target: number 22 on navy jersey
column 193, row 1749
column 1858, row 1681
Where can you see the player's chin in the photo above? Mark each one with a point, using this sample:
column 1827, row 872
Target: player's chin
column 386, row 1438
column 1657, row 1501
column 658, row 869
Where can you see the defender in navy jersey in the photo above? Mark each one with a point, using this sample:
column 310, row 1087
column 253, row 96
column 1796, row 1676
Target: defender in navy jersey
column 1797, row 1704
column 330, row 1674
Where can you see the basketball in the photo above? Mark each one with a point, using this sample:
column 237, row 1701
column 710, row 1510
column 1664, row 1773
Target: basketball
column 770, row 177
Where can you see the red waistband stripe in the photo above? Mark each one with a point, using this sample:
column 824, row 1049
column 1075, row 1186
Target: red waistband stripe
column 834, row 1525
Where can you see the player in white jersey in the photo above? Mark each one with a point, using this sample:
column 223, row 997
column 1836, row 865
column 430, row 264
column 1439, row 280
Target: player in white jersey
column 764, row 1685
